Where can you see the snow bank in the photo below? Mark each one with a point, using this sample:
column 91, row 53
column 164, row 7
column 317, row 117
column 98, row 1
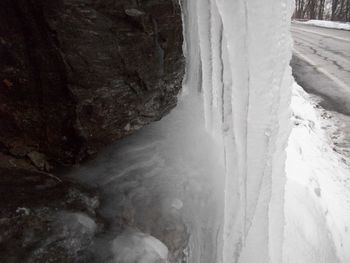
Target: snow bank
column 327, row 24
column 245, row 80
column 317, row 192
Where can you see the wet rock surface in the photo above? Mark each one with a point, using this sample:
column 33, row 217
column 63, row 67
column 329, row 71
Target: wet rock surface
column 76, row 75
column 162, row 182
column 148, row 194
column 43, row 219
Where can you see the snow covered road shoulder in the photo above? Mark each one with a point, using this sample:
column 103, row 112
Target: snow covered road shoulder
column 317, row 206
column 326, row 24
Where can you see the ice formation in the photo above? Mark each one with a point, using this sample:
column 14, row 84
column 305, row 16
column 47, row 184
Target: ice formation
column 245, row 78
column 133, row 246
column 282, row 204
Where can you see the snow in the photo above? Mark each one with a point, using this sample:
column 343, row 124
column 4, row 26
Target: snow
column 317, row 204
column 327, row 24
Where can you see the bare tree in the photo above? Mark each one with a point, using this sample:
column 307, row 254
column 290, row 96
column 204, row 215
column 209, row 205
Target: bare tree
column 299, row 9
column 321, row 9
column 312, row 9
column 334, row 9
column 315, row 9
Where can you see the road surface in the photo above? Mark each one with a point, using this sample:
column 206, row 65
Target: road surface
column 321, row 64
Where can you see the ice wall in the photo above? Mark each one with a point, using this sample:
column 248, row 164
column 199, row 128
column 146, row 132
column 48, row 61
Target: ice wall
column 238, row 56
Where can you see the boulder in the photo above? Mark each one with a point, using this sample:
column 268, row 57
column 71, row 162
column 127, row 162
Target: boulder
column 76, row 75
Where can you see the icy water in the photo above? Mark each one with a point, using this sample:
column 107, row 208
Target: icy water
column 165, row 181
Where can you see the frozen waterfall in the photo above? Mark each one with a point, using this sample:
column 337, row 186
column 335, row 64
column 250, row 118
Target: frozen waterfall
column 238, row 55
column 214, row 181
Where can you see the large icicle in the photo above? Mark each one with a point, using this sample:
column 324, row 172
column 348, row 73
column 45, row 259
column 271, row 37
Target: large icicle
column 245, row 48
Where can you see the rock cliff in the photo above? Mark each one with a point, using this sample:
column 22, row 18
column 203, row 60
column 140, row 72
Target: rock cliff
column 76, row 75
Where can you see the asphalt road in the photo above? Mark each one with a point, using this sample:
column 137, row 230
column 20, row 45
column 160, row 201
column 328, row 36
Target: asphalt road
column 321, row 64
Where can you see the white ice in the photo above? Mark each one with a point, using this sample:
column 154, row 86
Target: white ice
column 133, row 246
column 245, row 48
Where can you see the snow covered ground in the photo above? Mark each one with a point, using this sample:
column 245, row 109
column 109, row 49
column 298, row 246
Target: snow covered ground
column 317, row 200
column 327, row 24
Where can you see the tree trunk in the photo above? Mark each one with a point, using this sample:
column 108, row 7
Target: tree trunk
column 334, row 9
column 321, row 10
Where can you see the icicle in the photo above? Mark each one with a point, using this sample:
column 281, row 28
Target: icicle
column 216, row 33
column 245, row 49
column 204, row 25
column 192, row 80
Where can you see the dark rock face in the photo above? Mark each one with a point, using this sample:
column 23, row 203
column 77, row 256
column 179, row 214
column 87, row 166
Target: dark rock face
column 43, row 219
column 76, row 75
